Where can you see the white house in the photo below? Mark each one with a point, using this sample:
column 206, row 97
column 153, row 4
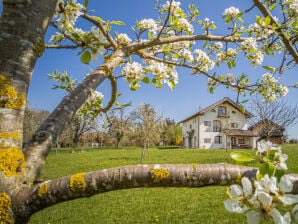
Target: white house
column 220, row 125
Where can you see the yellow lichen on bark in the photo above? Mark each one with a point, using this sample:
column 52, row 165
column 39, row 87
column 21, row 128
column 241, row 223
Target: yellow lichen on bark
column 9, row 97
column 12, row 162
column 159, row 174
column 39, row 47
column 5, row 207
column 43, row 189
column 77, row 182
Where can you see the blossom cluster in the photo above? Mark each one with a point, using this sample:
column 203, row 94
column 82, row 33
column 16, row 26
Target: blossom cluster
column 175, row 7
column 205, row 63
column 184, row 25
column 227, row 55
column 260, row 30
column 261, row 198
column 163, row 72
column 231, row 12
column 69, row 15
column 270, row 89
column 293, row 5
column 147, row 24
column 123, row 38
column 133, row 70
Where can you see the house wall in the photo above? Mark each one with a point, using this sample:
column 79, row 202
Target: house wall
column 204, row 136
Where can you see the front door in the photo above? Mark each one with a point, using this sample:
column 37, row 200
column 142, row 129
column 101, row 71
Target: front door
column 233, row 141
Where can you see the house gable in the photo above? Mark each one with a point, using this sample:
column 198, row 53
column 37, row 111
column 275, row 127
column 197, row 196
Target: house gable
column 209, row 124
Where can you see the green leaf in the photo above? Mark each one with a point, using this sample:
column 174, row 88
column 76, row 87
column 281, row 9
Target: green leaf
column 240, row 19
column 242, row 108
column 86, row 2
column 242, row 157
column 150, row 35
column 85, row 57
column 117, row 22
column 146, row 80
column 171, row 84
column 98, row 19
column 273, row 6
column 267, row 20
column 269, row 68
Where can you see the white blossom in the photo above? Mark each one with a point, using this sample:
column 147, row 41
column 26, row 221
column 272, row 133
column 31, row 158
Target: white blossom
column 123, row 38
column 283, row 90
column 184, row 24
column 205, row 62
column 175, row 7
column 163, row 72
column 187, row 55
column 218, row 45
column 133, row 70
column 258, row 58
column 96, row 95
column 177, row 46
column 293, row 4
column 147, row 24
column 260, row 31
column 230, row 78
column 69, row 16
column 280, row 219
column 249, row 44
column 285, row 184
column 231, row 12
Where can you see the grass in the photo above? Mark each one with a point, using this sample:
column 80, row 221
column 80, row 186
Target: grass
column 141, row 206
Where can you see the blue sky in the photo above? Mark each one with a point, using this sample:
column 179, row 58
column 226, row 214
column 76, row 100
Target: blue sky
column 191, row 91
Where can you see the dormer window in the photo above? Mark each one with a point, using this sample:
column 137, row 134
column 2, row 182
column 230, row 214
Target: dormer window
column 222, row 111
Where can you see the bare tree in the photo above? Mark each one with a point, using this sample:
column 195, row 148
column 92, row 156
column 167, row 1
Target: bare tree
column 272, row 119
column 147, row 126
column 118, row 126
column 32, row 120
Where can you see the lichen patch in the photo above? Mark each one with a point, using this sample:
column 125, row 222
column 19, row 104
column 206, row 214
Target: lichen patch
column 77, row 182
column 159, row 174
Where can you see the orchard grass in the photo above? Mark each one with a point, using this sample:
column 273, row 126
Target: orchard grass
column 150, row 205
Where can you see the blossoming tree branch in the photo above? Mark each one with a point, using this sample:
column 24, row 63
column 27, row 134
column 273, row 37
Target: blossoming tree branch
column 178, row 37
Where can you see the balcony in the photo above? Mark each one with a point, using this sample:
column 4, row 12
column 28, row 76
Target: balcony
column 223, row 115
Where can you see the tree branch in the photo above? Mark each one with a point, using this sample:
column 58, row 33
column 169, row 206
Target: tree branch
column 38, row 147
column 34, row 198
column 102, row 29
column 56, row 46
column 281, row 35
column 193, row 68
column 136, row 46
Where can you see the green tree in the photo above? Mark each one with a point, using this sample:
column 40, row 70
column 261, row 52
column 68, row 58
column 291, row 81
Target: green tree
column 169, row 44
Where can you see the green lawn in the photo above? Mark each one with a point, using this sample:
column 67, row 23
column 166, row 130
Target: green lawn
column 151, row 205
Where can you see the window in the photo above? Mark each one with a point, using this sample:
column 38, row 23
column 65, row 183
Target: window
column 190, row 126
column 216, row 126
column 207, row 123
column 207, row 140
column 241, row 141
column 217, row 139
column 212, row 110
column 234, row 125
column 222, row 110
